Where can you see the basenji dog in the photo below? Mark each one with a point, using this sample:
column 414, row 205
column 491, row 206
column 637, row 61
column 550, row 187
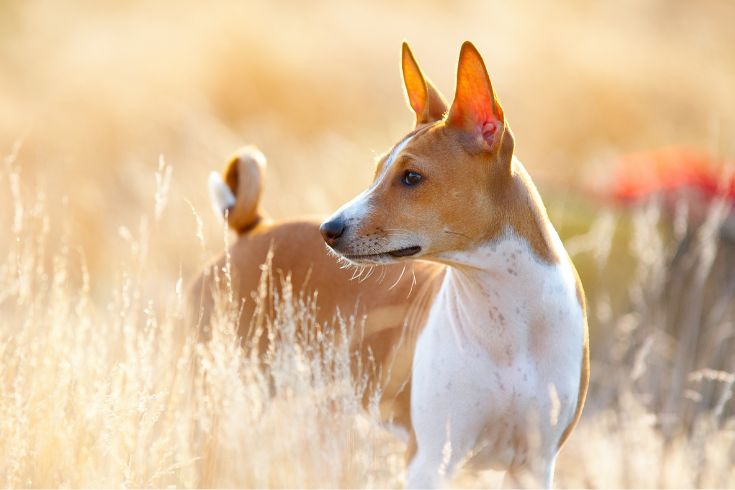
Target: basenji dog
column 501, row 366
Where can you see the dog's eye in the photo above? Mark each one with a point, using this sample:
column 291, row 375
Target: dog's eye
column 411, row 178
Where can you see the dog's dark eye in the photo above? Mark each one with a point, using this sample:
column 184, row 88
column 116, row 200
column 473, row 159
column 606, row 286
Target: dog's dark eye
column 411, row 178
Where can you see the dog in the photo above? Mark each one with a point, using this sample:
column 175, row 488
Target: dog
column 481, row 351
column 501, row 366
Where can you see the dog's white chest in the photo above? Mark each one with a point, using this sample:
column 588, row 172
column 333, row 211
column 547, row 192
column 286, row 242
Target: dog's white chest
column 501, row 353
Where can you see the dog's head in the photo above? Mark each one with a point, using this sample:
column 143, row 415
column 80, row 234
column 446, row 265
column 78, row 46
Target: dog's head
column 440, row 188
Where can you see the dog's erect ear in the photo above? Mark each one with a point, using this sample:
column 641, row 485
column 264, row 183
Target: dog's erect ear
column 475, row 108
column 424, row 98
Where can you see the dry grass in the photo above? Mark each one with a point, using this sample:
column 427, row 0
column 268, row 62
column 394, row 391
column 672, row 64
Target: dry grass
column 124, row 395
column 102, row 385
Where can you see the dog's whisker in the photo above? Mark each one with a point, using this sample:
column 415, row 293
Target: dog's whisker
column 399, row 278
column 382, row 274
column 413, row 281
column 369, row 270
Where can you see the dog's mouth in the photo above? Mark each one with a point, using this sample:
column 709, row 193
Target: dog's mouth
column 399, row 253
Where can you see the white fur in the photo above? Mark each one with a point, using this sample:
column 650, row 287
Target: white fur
column 356, row 209
column 496, row 371
column 220, row 195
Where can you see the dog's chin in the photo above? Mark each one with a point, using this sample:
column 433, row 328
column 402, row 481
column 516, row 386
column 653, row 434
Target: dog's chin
column 386, row 257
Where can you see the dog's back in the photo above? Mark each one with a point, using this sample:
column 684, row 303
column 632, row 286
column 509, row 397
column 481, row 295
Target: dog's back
column 393, row 301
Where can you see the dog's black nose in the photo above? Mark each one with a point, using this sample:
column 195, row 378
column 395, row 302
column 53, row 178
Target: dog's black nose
column 332, row 230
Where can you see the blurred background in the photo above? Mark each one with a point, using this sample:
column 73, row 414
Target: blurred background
column 623, row 112
column 96, row 92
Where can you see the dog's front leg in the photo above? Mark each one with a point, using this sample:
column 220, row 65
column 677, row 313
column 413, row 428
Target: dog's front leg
column 446, row 409
column 439, row 454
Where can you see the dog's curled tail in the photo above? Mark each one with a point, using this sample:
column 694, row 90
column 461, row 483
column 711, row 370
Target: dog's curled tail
column 235, row 193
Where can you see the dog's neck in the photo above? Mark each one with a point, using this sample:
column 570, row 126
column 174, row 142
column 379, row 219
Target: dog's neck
column 497, row 283
column 509, row 255
column 501, row 282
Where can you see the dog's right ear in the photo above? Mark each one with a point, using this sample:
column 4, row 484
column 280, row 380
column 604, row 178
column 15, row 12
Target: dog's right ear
column 425, row 100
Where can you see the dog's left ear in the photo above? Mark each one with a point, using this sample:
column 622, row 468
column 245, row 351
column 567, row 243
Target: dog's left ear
column 475, row 109
column 425, row 100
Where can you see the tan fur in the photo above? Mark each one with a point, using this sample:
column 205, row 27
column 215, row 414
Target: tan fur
column 244, row 176
column 446, row 205
column 453, row 159
column 393, row 306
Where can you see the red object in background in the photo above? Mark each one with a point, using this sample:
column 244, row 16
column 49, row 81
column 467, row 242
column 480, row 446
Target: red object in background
column 667, row 170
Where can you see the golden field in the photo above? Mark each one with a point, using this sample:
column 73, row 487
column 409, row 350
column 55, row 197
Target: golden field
column 111, row 117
